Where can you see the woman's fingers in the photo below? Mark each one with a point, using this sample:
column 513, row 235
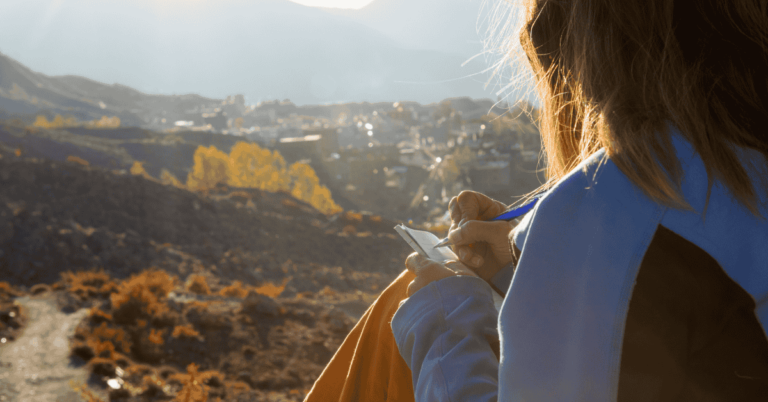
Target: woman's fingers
column 480, row 231
column 495, row 235
column 428, row 271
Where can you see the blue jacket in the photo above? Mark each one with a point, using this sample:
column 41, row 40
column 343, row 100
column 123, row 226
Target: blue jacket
column 561, row 324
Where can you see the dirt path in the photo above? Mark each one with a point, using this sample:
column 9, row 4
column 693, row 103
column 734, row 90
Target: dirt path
column 36, row 367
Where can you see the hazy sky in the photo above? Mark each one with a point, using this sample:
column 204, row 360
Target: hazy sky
column 334, row 3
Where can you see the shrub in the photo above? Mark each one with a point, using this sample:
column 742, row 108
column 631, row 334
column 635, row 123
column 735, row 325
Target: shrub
column 193, row 389
column 156, row 336
column 184, row 331
column 270, row 289
column 142, row 296
column 87, row 284
column 197, row 284
column 236, row 289
column 78, row 160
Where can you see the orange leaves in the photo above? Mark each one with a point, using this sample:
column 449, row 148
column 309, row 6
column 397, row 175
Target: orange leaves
column 142, row 295
column 156, row 336
column 184, row 331
column 87, row 284
column 193, row 388
column 236, row 289
column 198, row 285
column 270, row 289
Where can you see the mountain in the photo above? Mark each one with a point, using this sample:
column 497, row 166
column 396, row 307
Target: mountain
column 25, row 92
column 267, row 49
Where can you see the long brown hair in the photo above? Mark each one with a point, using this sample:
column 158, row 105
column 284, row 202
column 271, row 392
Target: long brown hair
column 615, row 73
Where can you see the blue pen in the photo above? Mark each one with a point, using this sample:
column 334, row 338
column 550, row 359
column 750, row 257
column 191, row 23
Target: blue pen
column 507, row 215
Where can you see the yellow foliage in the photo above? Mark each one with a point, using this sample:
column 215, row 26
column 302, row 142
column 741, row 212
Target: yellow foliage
column 104, row 122
column 306, row 187
column 137, row 169
column 17, row 152
column 76, row 159
column 169, row 179
column 62, row 122
column 250, row 166
column 210, row 169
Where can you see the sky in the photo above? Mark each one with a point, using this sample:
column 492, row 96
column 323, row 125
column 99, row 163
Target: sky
column 334, row 3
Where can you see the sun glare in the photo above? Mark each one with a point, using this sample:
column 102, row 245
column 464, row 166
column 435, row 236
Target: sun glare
column 354, row 4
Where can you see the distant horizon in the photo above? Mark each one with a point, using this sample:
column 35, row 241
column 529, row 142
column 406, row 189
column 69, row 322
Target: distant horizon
column 343, row 4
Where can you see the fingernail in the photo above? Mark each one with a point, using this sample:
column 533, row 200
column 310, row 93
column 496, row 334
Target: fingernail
column 462, row 254
column 477, row 260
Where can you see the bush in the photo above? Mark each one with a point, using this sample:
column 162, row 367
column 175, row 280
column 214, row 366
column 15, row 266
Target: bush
column 87, row 284
column 184, row 331
column 236, row 289
column 197, row 284
column 142, row 296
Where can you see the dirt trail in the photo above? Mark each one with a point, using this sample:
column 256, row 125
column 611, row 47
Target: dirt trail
column 36, row 367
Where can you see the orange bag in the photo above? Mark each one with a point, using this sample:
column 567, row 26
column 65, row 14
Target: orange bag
column 368, row 367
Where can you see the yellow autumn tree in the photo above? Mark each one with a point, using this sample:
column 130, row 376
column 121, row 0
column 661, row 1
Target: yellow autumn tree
column 58, row 122
column 305, row 186
column 105, row 122
column 251, row 166
column 210, row 168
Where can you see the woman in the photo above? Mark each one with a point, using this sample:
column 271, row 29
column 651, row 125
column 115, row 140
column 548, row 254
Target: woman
column 642, row 272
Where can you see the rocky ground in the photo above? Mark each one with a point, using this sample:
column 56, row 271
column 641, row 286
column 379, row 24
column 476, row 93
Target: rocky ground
column 235, row 294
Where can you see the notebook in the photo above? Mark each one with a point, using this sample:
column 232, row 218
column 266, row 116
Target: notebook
column 423, row 242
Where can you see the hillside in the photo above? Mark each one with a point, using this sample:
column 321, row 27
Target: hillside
column 257, row 289
column 26, row 92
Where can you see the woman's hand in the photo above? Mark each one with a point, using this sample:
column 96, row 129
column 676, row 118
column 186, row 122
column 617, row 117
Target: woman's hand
column 490, row 250
column 428, row 271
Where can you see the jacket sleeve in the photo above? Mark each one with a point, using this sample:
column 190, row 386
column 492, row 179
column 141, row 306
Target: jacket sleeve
column 445, row 333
